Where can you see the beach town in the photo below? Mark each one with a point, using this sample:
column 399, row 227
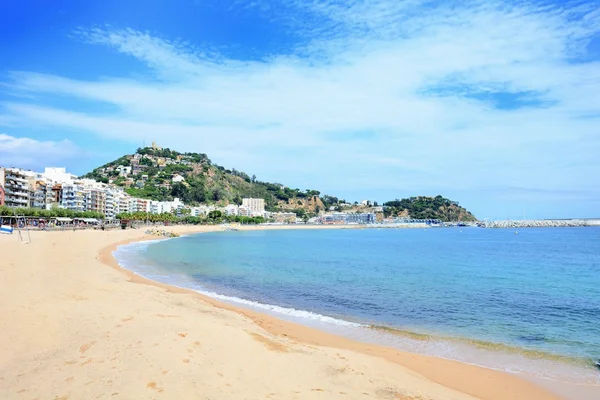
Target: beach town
column 56, row 189
column 399, row 202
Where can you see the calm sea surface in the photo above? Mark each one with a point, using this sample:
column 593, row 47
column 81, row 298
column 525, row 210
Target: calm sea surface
column 525, row 302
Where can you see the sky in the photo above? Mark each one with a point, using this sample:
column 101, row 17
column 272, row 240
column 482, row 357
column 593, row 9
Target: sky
column 494, row 104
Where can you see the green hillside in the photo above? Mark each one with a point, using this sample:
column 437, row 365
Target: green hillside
column 422, row 207
column 156, row 174
column 163, row 174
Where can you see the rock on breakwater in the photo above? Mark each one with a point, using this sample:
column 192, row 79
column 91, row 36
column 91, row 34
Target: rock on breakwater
column 544, row 223
column 160, row 232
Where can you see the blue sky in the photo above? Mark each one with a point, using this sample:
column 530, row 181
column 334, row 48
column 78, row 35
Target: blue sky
column 493, row 104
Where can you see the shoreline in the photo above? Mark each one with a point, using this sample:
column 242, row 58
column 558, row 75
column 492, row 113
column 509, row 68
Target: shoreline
column 75, row 324
column 449, row 373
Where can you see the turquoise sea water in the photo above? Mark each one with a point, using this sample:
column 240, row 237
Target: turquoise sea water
column 524, row 302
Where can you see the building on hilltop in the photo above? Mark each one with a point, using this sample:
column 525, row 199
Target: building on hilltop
column 178, row 179
column 155, row 146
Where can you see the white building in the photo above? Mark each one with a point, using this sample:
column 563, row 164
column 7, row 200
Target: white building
column 15, row 187
column 73, row 196
column 124, row 170
column 255, row 207
column 58, row 175
column 231, row 210
column 178, row 179
column 201, row 210
column 123, row 203
column 112, row 202
column 244, row 211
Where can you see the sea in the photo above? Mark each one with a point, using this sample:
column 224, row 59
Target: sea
column 526, row 302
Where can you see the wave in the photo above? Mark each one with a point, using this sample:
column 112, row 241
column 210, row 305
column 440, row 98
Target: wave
column 292, row 312
column 126, row 256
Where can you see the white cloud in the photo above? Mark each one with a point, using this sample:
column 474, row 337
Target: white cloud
column 412, row 73
column 34, row 154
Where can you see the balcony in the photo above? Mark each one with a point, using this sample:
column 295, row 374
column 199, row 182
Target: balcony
column 18, row 193
column 16, row 200
column 11, row 177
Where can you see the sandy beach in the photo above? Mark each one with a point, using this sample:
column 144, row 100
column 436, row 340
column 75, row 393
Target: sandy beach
column 73, row 325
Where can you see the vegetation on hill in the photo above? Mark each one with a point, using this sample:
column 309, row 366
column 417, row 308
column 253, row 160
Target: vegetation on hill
column 164, row 174
column 156, row 174
column 422, row 207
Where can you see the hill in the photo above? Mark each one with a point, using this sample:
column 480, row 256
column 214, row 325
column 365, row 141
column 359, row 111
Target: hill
column 163, row 174
column 422, row 207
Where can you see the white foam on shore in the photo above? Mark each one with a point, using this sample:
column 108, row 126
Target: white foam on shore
column 291, row 312
column 127, row 257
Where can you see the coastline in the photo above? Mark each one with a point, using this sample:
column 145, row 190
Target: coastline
column 418, row 375
column 449, row 373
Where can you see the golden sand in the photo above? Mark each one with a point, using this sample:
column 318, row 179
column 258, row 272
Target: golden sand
column 73, row 325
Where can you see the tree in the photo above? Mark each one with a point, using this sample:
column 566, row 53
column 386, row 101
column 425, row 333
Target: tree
column 215, row 214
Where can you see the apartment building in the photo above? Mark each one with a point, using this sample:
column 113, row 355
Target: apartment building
column 58, row 175
column 73, row 196
column 231, row 210
column 255, row 207
column 41, row 195
column 139, row 205
column 96, row 200
column 15, row 188
column 112, row 203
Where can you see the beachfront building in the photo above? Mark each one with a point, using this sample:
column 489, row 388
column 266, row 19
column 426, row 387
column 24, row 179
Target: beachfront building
column 41, row 195
column 160, row 207
column 254, row 207
column 73, row 196
column 334, row 219
column 123, row 203
column 201, row 210
column 112, row 202
column 347, row 218
column 231, row 210
column 244, row 211
column 58, row 175
column 138, row 205
column 14, row 187
column 363, row 218
column 96, row 200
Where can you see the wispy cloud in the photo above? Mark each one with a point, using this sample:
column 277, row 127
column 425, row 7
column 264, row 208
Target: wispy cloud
column 455, row 94
column 34, row 154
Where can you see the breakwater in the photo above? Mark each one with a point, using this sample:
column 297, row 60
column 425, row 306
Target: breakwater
column 543, row 223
